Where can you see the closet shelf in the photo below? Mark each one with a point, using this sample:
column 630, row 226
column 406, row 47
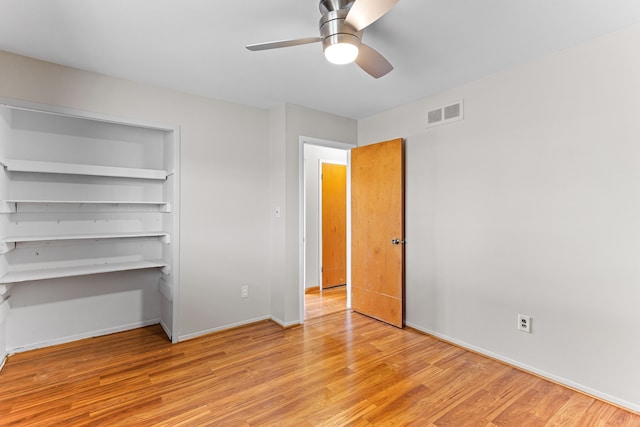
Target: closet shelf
column 83, row 270
column 19, row 239
column 11, row 206
column 13, row 165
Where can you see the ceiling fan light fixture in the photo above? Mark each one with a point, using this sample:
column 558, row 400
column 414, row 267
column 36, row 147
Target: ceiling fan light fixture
column 341, row 53
column 341, row 48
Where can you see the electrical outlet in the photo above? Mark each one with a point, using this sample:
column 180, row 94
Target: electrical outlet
column 524, row 323
column 244, row 292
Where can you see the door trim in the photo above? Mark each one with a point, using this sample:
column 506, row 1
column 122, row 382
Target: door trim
column 301, row 209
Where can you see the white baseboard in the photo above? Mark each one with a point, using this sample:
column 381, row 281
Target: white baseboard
column 221, row 328
column 3, row 359
column 84, row 335
column 284, row 324
column 560, row 380
column 235, row 325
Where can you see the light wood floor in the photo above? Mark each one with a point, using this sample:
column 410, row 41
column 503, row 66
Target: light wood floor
column 338, row 369
column 328, row 301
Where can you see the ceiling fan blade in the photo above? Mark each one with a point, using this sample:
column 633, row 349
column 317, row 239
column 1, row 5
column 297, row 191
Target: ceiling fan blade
column 283, row 43
column 372, row 62
column 365, row 12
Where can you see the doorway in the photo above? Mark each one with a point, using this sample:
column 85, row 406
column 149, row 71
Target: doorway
column 383, row 161
column 315, row 301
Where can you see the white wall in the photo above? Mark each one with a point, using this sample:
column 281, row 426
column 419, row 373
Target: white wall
column 531, row 205
column 277, row 127
column 293, row 122
column 224, row 182
column 313, row 155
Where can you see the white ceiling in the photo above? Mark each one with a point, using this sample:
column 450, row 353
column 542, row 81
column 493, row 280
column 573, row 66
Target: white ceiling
column 197, row 46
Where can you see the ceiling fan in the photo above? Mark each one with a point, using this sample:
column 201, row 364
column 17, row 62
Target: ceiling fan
column 341, row 27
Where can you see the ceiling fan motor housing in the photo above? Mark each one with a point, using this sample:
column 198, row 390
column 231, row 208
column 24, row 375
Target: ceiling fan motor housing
column 332, row 5
column 333, row 29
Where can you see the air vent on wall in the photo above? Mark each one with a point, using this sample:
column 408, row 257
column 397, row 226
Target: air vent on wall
column 446, row 114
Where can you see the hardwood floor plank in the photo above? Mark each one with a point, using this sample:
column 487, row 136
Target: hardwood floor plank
column 350, row 414
column 338, row 369
column 479, row 408
column 571, row 411
column 604, row 415
column 536, row 406
column 324, row 302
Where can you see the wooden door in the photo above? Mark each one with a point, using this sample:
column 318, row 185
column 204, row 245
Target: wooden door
column 377, row 230
column 334, row 225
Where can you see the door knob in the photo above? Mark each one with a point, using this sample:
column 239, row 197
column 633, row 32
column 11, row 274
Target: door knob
column 397, row 241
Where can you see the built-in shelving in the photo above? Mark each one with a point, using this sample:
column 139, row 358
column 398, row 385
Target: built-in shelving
column 82, row 270
column 30, row 166
column 82, row 194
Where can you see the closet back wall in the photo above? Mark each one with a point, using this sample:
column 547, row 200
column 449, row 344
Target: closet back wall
column 224, row 212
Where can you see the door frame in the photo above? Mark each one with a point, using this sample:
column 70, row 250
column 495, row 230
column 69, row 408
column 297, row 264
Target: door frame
column 347, row 207
column 301, row 213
